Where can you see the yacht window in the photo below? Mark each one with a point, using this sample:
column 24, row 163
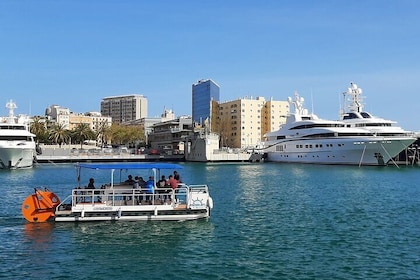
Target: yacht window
column 14, row 127
column 318, row 125
column 365, row 115
column 350, row 116
column 15, row 138
column 320, row 135
column 355, row 134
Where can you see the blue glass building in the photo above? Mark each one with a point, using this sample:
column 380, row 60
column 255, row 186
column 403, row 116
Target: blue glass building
column 203, row 92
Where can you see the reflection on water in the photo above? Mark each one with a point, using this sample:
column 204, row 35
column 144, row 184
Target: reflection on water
column 277, row 221
column 38, row 234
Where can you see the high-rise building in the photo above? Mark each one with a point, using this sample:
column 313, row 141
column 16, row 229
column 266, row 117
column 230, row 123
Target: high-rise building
column 124, row 108
column 203, row 93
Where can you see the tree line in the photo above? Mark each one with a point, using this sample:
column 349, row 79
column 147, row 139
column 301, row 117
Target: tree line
column 116, row 134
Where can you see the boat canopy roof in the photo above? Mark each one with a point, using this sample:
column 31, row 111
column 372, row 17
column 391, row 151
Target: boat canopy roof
column 132, row 165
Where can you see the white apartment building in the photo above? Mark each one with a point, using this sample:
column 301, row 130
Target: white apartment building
column 58, row 115
column 124, row 108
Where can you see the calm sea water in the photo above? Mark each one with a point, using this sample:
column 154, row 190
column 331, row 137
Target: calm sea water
column 270, row 221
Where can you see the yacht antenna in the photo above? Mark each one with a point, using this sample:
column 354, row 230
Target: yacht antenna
column 312, row 102
column 342, row 104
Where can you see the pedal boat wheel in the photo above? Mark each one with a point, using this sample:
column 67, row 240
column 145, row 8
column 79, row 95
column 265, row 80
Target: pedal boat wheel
column 40, row 206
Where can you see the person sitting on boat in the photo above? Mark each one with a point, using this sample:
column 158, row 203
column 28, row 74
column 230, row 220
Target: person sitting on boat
column 130, row 180
column 177, row 176
column 137, row 188
column 91, row 184
column 141, row 182
column 136, row 182
column 172, row 182
column 162, row 182
column 150, row 185
column 141, row 185
column 161, row 185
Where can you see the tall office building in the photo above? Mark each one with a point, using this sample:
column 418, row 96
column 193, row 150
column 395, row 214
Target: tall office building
column 124, row 108
column 203, row 93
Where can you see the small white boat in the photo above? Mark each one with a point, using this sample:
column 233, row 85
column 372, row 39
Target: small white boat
column 17, row 144
column 121, row 201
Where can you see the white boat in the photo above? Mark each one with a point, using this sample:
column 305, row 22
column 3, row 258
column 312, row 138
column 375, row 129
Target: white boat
column 305, row 138
column 119, row 201
column 17, row 144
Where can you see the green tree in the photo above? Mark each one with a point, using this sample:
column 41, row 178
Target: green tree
column 125, row 135
column 39, row 129
column 83, row 132
column 135, row 134
column 59, row 134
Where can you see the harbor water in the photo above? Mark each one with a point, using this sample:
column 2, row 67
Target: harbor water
column 270, row 221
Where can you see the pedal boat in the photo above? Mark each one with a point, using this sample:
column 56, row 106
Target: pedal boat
column 119, row 201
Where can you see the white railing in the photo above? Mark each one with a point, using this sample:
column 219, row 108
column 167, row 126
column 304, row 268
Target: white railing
column 123, row 196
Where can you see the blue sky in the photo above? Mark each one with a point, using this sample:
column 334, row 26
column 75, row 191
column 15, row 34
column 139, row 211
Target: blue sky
column 74, row 53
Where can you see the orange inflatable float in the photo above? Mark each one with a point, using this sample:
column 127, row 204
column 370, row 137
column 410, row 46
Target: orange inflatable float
column 40, row 206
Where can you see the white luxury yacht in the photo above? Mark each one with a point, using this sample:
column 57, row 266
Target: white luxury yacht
column 17, row 144
column 305, row 138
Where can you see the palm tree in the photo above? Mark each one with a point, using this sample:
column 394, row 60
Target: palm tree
column 39, row 129
column 59, row 134
column 103, row 131
column 83, row 132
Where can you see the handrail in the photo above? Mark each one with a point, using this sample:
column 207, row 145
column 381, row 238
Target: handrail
column 126, row 194
column 120, row 195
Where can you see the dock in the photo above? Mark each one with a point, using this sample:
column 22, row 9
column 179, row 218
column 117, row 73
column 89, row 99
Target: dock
column 69, row 155
column 55, row 154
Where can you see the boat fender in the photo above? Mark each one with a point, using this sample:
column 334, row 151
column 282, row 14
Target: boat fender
column 210, row 202
column 119, row 212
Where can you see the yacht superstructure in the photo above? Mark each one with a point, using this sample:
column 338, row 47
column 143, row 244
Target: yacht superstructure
column 353, row 115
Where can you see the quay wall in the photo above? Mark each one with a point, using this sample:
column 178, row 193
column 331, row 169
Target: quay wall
column 56, row 154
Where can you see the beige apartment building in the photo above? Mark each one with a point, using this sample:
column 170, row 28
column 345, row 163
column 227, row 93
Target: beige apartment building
column 93, row 120
column 242, row 123
column 70, row 120
column 124, row 108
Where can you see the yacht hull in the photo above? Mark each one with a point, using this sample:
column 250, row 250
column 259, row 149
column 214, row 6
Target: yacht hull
column 12, row 157
column 367, row 151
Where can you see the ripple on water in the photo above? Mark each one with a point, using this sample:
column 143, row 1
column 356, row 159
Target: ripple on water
column 270, row 221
